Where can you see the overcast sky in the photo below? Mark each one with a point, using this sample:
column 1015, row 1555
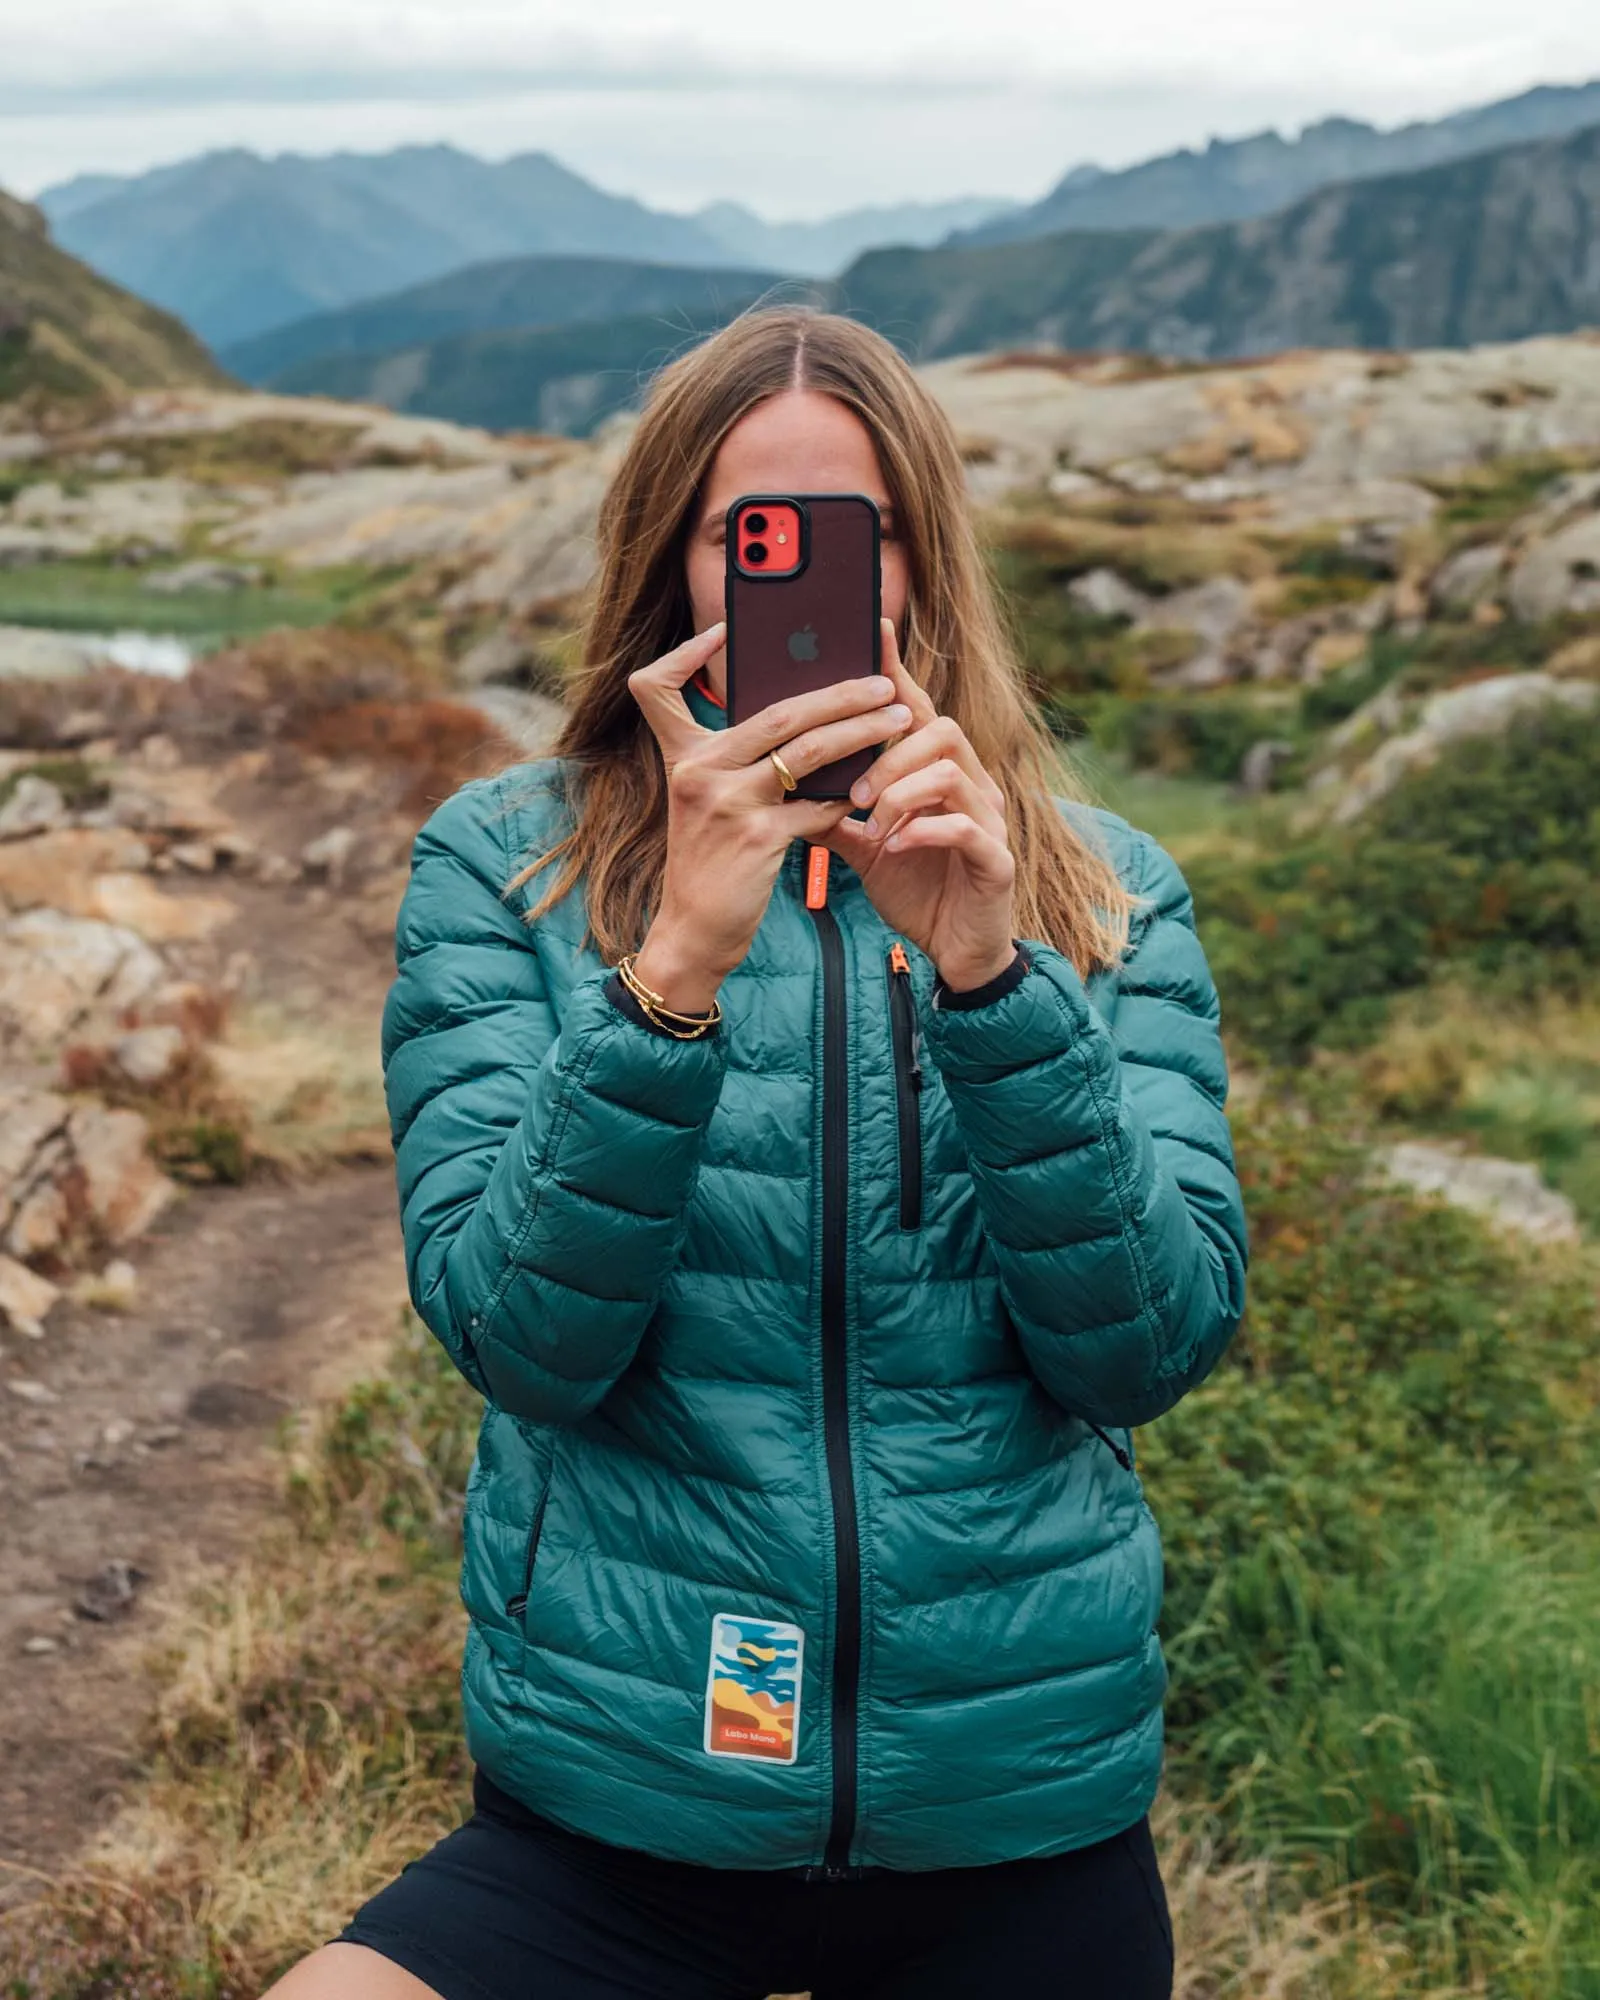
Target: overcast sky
column 796, row 106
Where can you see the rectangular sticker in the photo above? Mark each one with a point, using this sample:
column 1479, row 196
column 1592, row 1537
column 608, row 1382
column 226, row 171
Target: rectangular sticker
column 753, row 1688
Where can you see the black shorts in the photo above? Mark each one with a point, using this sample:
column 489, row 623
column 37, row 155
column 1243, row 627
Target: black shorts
column 509, row 1907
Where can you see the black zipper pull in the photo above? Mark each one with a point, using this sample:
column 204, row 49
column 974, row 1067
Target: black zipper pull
column 1113, row 1447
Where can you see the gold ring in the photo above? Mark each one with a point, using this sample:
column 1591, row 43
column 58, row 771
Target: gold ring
column 786, row 777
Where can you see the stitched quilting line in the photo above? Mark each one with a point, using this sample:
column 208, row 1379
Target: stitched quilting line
column 1130, row 1234
column 1059, row 1566
column 920, row 1704
column 582, row 1062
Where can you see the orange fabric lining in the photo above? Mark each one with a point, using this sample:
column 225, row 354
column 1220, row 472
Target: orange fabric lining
column 703, row 686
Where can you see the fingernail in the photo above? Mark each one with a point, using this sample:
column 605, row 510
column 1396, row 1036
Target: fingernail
column 861, row 791
column 892, row 842
column 899, row 714
column 872, row 829
column 881, row 684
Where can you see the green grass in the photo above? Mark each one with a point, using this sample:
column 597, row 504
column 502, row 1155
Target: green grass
column 80, row 784
column 97, row 597
column 1493, row 495
column 1548, row 1113
column 1176, row 810
column 1522, row 1083
column 1383, row 1560
column 1425, row 1731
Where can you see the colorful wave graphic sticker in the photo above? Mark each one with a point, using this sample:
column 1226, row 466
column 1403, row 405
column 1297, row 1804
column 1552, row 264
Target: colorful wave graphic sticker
column 753, row 1688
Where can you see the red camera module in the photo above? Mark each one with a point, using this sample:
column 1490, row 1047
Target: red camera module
column 767, row 538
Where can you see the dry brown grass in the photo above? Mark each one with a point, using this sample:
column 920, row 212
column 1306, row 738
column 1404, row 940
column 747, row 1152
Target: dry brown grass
column 308, row 1094
column 304, row 1739
column 305, row 1743
column 438, row 745
column 1181, row 549
column 261, row 691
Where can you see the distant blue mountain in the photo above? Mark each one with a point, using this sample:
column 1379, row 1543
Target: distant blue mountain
column 335, row 350
column 237, row 244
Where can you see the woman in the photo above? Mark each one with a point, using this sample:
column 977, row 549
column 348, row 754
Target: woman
column 814, row 1264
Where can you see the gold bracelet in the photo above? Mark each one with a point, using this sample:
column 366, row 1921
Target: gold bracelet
column 682, row 1027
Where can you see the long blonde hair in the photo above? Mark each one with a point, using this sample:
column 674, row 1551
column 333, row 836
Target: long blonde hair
column 954, row 643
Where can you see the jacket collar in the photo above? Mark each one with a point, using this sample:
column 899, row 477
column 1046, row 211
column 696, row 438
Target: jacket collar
column 703, row 705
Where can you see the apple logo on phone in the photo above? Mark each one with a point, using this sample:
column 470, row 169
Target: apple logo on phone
column 803, row 644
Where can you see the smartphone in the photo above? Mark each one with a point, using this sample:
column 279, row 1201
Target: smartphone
column 804, row 587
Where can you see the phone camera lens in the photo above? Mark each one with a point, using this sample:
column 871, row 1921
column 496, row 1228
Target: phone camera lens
column 756, row 553
column 756, row 524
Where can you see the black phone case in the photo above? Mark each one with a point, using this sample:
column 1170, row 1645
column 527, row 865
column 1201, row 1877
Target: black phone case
column 813, row 627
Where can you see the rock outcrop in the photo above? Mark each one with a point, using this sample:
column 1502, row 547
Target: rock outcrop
column 1481, row 708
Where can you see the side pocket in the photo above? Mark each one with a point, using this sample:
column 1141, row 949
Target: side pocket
column 905, row 1032
column 517, row 1604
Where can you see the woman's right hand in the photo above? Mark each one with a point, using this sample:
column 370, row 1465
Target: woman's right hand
column 728, row 825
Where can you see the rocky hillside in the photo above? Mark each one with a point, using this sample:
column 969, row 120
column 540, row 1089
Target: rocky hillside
column 1235, row 178
column 1496, row 247
column 65, row 332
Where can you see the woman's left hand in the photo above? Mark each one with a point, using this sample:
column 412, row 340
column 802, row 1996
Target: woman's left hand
column 934, row 857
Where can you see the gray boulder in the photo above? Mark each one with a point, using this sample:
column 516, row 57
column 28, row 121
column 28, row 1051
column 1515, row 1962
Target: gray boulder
column 1104, row 594
column 1509, row 1193
column 1560, row 574
column 1468, row 579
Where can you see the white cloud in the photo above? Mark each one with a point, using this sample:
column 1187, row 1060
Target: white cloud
column 672, row 100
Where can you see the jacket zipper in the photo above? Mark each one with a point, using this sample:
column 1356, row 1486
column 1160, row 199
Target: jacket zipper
column 836, row 1396
column 515, row 1606
column 906, row 1033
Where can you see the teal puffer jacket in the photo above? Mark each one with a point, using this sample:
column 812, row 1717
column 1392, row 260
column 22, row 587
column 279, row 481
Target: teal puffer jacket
column 803, row 1530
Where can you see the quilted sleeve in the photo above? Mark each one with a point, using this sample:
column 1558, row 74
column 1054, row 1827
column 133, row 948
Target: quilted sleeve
column 1103, row 1166
column 544, row 1166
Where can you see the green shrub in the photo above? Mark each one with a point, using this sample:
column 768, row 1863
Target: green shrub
column 1320, row 574
column 1493, row 495
column 1205, row 736
column 1448, row 651
column 1487, row 864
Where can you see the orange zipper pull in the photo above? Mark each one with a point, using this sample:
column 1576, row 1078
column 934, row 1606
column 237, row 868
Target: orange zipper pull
column 898, row 962
column 817, row 878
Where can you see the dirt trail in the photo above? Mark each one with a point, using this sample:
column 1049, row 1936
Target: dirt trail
column 157, row 1449
column 147, row 1436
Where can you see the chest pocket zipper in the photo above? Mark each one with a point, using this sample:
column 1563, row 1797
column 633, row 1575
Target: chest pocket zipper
column 905, row 1032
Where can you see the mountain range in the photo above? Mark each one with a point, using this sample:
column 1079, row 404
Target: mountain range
column 67, row 334
column 1498, row 246
column 1231, row 180
column 237, row 244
